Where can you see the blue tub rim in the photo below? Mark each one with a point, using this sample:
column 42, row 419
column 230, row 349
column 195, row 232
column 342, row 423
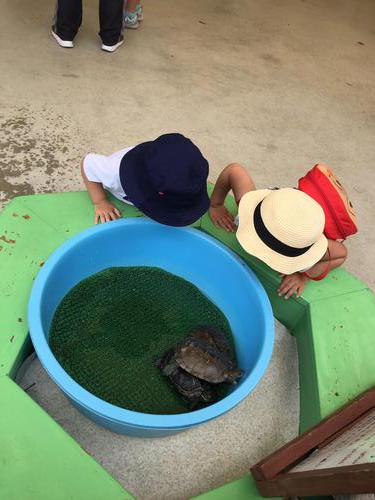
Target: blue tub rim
column 113, row 413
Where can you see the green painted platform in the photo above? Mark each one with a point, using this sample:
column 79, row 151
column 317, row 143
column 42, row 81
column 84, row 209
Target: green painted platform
column 333, row 322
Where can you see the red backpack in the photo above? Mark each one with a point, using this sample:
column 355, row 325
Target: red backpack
column 322, row 185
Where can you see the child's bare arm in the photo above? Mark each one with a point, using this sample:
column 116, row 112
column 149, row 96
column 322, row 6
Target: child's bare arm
column 95, row 189
column 295, row 283
column 337, row 255
column 234, row 177
column 104, row 210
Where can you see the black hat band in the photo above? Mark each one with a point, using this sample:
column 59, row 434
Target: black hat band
column 270, row 240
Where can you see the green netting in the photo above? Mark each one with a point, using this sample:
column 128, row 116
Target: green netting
column 110, row 328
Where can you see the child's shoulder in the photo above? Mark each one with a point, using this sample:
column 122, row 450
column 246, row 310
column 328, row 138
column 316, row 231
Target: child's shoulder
column 322, row 184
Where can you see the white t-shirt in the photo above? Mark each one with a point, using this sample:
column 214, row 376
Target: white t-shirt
column 106, row 170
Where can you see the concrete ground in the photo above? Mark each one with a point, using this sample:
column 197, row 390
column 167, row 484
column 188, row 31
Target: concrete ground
column 180, row 466
column 276, row 85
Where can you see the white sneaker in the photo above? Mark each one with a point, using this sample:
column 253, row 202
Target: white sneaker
column 67, row 44
column 131, row 20
column 112, row 48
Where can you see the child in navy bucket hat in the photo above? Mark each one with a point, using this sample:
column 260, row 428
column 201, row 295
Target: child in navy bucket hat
column 166, row 179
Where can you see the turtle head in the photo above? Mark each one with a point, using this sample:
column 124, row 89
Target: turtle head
column 166, row 363
column 169, row 369
column 233, row 375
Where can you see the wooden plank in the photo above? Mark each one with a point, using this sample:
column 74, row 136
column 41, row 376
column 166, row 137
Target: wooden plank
column 299, row 447
column 336, row 481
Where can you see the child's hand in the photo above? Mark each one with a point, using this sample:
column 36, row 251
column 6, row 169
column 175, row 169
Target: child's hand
column 222, row 218
column 292, row 283
column 105, row 211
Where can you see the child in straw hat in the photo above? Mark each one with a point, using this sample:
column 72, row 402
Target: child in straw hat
column 282, row 227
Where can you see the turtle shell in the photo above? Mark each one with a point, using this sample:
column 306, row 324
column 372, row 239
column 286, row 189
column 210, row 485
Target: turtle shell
column 214, row 337
column 204, row 360
column 191, row 388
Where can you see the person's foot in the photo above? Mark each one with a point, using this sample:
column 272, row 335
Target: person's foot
column 139, row 11
column 131, row 20
column 112, row 48
column 67, row 44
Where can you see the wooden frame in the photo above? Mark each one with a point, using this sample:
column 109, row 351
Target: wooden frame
column 273, row 476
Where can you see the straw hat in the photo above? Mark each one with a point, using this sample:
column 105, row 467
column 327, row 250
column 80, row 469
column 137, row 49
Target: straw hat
column 283, row 228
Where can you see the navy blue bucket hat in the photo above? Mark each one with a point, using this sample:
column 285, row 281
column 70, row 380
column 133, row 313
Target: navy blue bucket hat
column 167, row 179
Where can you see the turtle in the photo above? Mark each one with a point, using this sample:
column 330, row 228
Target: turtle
column 194, row 390
column 214, row 337
column 206, row 354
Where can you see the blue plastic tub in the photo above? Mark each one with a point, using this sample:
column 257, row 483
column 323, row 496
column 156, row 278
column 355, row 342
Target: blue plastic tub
column 188, row 253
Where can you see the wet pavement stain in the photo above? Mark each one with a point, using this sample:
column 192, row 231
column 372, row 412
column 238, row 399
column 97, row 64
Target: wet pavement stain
column 38, row 149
